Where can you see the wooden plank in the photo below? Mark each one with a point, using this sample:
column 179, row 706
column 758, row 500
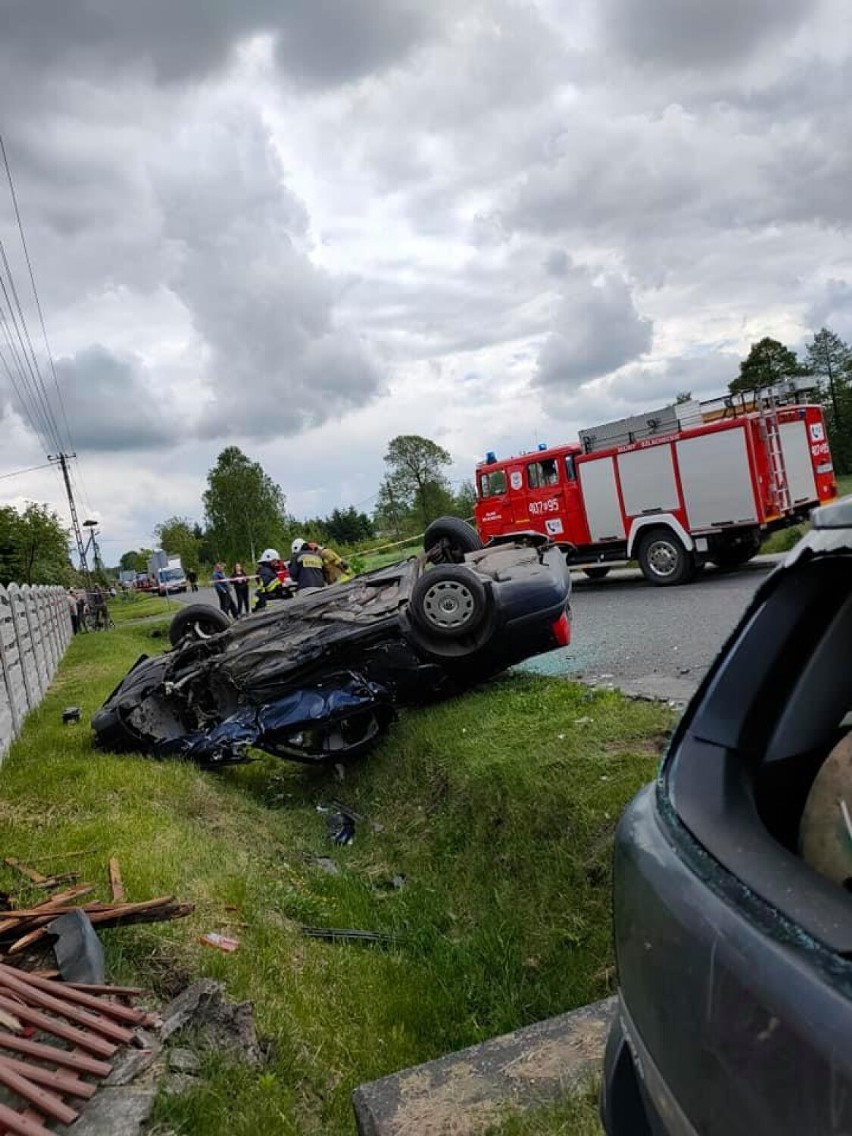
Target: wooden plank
column 116, row 909
column 44, row 1100
column 115, row 881
column 91, row 1043
column 118, row 991
column 21, row 1125
column 52, row 1078
column 79, row 1062
column 55, row 881
column 24, row 869
column 58, row 1005
column 80, row 998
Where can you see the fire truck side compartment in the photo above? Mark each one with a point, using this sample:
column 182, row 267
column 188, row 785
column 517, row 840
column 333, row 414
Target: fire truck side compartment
column 600, row 496
column 715, row 475
column 797, row 461
column 648, row 481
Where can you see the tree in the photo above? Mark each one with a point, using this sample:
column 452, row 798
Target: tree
column 830, row 361
column 33, row 547
column 135, row 560
column 768, row 363
column 415, row 483
column 347, row 526
column 465, row 499
column 245, row 508
column 177, row 537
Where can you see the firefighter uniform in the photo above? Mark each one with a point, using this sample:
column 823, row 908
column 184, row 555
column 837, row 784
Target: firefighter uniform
column 334, row 567
column 306, row 568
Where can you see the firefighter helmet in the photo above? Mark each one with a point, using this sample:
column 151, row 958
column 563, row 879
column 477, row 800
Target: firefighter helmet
column 268, row 555
column 297, row 545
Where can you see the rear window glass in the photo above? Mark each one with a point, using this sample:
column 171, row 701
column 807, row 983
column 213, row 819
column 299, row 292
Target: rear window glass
column 490, row 484
column 542, row 473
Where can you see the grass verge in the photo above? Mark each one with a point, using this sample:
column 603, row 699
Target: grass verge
column 486, row 854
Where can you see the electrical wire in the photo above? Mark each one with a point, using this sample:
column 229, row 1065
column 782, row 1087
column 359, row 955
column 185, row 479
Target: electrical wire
column 31, row 469
column 33, row 367
column 59, row 398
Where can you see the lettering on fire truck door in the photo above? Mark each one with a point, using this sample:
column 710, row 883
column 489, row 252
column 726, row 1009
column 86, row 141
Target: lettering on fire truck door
column 600, row 497
column 716, row 478
column 798, row 466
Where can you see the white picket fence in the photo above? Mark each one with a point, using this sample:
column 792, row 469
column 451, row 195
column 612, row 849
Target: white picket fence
column 35, row 629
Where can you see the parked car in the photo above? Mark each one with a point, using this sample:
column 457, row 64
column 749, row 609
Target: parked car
column 732, row 880
column 321, row 675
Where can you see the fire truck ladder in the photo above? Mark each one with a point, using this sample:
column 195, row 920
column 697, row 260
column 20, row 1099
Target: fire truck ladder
column 770, row 432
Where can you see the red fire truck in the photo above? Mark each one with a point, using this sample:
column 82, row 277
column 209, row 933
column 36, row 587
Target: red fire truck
column 674, row 489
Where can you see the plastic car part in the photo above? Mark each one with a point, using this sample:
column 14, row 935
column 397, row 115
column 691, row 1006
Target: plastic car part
column 78, row 950
column 337, row 718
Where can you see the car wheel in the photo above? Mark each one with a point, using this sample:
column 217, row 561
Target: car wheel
column 198, row 621
column 447, row 540
column 663, row 559
column 449, row 602
column 597, row 573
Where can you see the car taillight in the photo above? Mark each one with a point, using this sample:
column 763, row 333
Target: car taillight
column 561, row 630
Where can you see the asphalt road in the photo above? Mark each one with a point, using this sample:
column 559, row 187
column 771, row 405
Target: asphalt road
column 653, row 642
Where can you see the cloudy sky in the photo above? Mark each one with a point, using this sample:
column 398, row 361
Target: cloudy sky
column 305, row 226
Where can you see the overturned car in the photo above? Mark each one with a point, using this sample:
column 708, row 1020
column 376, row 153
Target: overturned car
column 320, row 676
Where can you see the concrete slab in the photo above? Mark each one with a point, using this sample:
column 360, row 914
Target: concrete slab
column 465, row 1092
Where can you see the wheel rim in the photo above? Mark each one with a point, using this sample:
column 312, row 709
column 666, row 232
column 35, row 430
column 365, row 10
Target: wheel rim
column 663, row 558
column 449, row 604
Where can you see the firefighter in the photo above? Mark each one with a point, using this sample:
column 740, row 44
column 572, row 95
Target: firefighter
column 334, row 567
column 270, row 585
column 306, row 565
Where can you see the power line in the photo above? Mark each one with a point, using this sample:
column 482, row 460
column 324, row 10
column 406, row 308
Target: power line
column 31, row 469
column 35, row 292
column 20, row 358
column 40, row 410
column 34, row 370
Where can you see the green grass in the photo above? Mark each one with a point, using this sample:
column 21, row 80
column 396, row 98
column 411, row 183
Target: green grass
column 786, row 539
column 370, row 560
column 576, row 1115
column 496, row 808
column 135, row 606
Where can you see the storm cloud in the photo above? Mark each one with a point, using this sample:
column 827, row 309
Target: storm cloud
column 324, row 222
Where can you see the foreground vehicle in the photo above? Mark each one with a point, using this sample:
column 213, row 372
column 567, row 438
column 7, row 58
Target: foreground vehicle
column 320, row 676
column 732, row 880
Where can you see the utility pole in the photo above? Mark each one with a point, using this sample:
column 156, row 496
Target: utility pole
column 62, row 459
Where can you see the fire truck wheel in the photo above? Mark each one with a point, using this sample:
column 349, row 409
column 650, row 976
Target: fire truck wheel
column 448, row 539
column 596, row 573
column 197, row 621
column 449, row 602
column 663, row 559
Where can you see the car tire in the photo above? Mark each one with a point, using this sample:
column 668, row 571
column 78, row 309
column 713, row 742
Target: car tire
column 597, row 573
column 449, row 539
column 664, row 560
column 197, row 621
column 449, row 602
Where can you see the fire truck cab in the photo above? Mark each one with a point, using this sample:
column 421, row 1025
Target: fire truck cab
column 674, row 489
